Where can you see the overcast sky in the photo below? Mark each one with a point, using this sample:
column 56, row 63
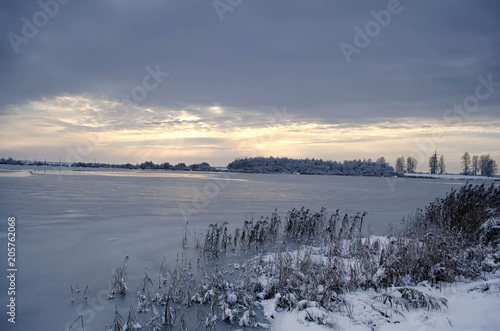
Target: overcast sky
column 200, row 80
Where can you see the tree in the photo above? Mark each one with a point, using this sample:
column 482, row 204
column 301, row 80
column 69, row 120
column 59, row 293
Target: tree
column 309, row 166
column 147, row 165
column 433, row 162
column 381, row 160
column 492, row 166
column 483, row 160
column 441, row 167
column 466, row 163
column 475, row 165
column 487, row 165
column 411, row 164
column 180, row 166
column 400, row 164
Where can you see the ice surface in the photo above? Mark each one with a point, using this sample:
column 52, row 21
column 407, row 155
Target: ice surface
column 77, row 227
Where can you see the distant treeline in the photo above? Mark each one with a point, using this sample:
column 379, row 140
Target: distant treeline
column 16, row 162
column 204, row 166
column 150, row 165
column 311, row 166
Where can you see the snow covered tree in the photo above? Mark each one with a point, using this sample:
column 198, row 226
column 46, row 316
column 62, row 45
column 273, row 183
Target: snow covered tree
column 310, row 166
column 180, row 166
column 466, row 163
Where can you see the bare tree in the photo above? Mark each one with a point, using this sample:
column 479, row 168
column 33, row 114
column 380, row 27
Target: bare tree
column 487, row 165
column 411, row 164
column 381, row 160
column 441, row 167
column 492, row 167
column 433, row 162
column 475, row 165
column 466, row 163
column 400, row 164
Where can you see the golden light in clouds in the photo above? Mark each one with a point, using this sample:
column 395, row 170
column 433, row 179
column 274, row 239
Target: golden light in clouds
column 119, row 133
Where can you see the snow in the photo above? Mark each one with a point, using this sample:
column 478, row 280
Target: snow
column 245, row 319
column 469, row 308
column 290, row 321
column 471, row 305
column 452, row 177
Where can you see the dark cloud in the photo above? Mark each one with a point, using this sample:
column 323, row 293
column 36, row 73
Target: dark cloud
column 264, row 54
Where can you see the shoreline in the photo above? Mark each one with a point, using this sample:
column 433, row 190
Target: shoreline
column 67, row 168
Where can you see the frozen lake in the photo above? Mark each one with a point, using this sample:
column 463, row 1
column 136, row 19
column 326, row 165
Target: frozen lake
column 77, row 226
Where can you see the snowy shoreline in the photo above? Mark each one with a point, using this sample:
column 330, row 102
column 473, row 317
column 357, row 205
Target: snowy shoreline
column 451, row 177
column 68, row 170
column 471, row 306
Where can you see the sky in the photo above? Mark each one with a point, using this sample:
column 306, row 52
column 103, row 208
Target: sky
column 190, row 81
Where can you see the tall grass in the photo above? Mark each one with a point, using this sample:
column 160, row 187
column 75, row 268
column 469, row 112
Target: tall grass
column 119, row 280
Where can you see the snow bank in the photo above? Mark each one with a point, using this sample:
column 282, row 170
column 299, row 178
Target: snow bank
column 471, row 306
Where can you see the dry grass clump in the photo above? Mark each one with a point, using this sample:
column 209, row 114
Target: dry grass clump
column 463, row 211
column 407, row 297
column 119, row 280
column 253, row 235
column 456, row 236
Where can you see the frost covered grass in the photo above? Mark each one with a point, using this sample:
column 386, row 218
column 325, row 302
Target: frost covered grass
column 324, row 271
column 119, row 280
column 253, row 235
